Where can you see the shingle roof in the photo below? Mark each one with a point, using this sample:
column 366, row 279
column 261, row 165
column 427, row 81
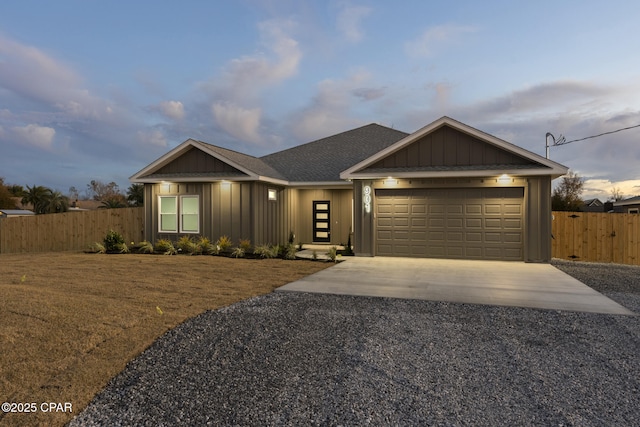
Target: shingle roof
column 251, row 163
column 323, row 160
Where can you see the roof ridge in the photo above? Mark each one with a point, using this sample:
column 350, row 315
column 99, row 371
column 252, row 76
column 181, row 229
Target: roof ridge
column 295, row 147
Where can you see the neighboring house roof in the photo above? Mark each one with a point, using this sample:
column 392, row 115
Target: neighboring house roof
column 592, row 202
column 15, row 212
column 630, row 201
column 522, row 162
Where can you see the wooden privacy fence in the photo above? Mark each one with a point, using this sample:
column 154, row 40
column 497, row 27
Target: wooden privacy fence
column 69, row 231
column 596, row 237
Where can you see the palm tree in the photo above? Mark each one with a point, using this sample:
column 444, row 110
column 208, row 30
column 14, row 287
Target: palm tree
column 135, row 195
column 36, row 196
column 56, row 203
column 113, row 203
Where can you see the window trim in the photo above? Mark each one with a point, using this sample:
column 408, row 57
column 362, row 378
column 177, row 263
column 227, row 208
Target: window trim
column 181, row 213
column 178, row 213
column 174, row 213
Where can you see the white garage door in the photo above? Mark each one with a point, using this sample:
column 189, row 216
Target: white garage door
column 466, row 223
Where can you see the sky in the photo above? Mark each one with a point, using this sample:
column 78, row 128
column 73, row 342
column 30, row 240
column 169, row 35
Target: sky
column 97, row 90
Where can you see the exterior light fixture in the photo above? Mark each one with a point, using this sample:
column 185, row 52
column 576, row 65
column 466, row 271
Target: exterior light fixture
column 390, row 181
column 504, row 179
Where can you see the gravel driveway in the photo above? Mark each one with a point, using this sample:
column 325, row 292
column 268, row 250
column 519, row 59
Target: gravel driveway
column 310, row 359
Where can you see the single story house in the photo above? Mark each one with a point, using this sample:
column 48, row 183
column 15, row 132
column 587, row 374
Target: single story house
column 8, row 213
column 592, row 205
column 630, row 205
column 447, row 190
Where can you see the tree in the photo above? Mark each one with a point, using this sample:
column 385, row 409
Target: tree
column 6, row 198
column 98, row 190
column 56, row 202
column 113, row 203
column 616, row 195
column 135, row 195
column 567, row 195
column 37, row 196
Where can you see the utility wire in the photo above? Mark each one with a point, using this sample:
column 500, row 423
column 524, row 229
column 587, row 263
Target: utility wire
column 561, row 140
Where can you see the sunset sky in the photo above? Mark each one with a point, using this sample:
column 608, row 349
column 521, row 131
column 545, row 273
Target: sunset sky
column 99, row 89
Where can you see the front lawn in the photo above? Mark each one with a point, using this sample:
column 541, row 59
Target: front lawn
column 69, row 322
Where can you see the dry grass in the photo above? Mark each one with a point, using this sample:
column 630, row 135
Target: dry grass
column 69, row 322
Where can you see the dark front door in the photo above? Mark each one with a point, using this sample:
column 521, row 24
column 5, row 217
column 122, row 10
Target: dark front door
column 321, row 222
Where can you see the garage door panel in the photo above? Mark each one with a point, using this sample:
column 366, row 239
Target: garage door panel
column 493, row 223
column 473, row 237
column 473, row 223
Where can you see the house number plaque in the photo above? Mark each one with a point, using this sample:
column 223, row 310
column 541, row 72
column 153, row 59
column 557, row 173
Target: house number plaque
column 366, row 198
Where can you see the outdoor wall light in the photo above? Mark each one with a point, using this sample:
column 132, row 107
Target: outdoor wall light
column 390, row 181
column 225, row 184
column 504, row 179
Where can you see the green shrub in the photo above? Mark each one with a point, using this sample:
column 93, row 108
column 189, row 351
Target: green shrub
column 204, row 246
column 98, row 248
column 145, row 247
column 113, row 242
column 238, row 252
column 245, row 244
column 289, row 251
column 186, row 245
column 165, row 247
column 122, row 248
column 224, row 244
column 266, row 251
column 333, row 253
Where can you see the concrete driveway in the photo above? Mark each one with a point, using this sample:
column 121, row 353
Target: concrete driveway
column 515, row 284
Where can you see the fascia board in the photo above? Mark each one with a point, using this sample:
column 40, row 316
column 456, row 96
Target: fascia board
column 459, row 174
column 319, row 184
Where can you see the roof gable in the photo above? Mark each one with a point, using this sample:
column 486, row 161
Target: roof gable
column 449, row 148
column 196, row 160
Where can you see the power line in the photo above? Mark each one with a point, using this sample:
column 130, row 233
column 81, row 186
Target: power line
column 562, row 141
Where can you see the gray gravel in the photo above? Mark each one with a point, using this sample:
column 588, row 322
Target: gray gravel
column 308, row 359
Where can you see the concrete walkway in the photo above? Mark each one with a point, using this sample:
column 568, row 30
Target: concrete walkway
column 515, row 284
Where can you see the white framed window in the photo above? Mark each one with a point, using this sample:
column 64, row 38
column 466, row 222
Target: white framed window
column 184, row 217
column 633, row 210
column 189, row 214
column 168, row 214
column 272, row 194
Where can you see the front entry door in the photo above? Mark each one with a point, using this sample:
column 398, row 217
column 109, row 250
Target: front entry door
column 321, row 222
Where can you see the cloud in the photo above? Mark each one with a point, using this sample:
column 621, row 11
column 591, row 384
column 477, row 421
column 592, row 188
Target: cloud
column 349, row 22
column 152, row 137
column 436, row 38
column 29, row 72
column 35, row 135
column 238, row 122
column 245, row 77
column 332, row 109
column 170, row 109
column 601, row 188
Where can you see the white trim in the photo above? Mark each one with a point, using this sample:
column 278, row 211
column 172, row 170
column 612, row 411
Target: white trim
column 176, row 214
column 181, row 213
column 555, row 169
